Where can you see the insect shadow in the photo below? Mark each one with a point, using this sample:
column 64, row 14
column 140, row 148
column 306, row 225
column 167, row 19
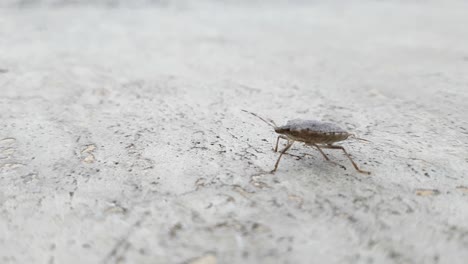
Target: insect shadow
column 317, row 134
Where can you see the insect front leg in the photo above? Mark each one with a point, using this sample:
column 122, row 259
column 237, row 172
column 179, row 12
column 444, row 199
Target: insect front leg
column 290, row 143
column 277, row 141
column 347, row 155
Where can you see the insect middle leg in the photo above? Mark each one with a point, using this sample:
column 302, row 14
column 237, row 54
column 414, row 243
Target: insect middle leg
column 277, row 141
column 347, row 155
column 325, row 155
column 290, row 143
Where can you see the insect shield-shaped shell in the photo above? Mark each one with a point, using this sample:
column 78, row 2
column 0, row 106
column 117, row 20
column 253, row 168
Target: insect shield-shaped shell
column 311, row 131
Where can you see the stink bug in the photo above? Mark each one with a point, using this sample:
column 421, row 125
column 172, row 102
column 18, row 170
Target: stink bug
column 320, row 135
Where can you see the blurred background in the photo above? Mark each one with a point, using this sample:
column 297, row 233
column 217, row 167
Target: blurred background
column 122, row 138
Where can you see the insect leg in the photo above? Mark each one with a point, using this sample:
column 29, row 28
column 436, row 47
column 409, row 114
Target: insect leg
column 347, row 155
column 290, row 143
column 320, row 150
column 325, row 155
column 277, row 141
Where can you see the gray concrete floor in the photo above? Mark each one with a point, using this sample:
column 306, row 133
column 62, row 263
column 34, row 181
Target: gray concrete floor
column 122, row 138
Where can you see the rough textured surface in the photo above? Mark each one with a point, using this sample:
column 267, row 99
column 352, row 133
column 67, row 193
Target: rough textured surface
column 122, row 139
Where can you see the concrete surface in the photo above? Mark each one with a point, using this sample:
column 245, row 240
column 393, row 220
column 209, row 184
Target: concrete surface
column 122, row 139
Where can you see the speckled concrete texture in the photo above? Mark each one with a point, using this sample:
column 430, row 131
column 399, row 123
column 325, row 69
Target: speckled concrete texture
column 122, row 138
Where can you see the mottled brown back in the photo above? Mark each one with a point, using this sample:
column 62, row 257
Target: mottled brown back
column 311, row 131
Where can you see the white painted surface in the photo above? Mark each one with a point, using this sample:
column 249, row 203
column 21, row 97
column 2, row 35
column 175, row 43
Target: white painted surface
column 122, row 139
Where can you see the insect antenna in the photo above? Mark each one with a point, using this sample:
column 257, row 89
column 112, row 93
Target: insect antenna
column 268, row 121
column 355, row 137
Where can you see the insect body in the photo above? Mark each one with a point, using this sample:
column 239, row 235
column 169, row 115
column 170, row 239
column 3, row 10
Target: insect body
column 320, row 135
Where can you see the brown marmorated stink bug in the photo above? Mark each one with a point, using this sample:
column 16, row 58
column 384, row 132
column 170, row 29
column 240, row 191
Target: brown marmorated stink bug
column 320, row 135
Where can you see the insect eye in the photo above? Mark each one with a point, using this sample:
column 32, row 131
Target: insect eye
column 280, row 130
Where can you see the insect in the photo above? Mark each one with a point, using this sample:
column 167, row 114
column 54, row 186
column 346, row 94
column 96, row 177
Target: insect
column 317, row 134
